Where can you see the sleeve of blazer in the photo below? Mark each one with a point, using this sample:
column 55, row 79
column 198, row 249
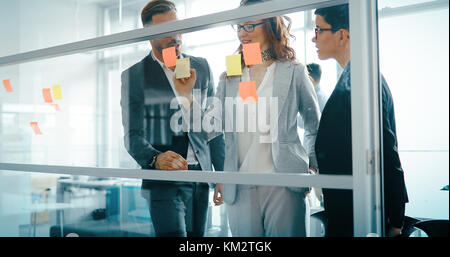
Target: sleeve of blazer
column 394, row 183
column 309, row 110
column 217, row 144
column 132, row 103
column 215, row 111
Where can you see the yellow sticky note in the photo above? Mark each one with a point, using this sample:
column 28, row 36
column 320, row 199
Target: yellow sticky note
column 57, row 92
column 183, row 69
column 234, row 67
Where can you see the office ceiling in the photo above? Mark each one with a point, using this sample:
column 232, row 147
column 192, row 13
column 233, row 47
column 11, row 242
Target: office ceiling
column 109, row 2
column 129, row 4
column 102, row 2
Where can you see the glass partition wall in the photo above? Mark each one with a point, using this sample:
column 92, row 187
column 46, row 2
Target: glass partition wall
column 77, row 177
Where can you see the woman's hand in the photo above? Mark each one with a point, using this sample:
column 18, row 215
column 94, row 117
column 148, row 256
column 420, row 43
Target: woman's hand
column 218, row 200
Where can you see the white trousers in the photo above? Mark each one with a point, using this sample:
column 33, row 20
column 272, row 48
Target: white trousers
column 267, row 211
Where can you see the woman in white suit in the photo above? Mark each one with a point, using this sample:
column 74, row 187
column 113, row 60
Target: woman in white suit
column 258, row 211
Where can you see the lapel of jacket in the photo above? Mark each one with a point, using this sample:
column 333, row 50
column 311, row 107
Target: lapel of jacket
column 231, row 90
column 196, row 65
column 232, row 86
column 282, row 83
column 156, row 78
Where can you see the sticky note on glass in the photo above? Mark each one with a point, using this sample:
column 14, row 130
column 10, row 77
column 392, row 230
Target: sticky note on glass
column 234, row 67
column 170, row 56
column 57, row 92
column 252, row 54
column 7, row 84
column 47, row 95
column 35, row 127
column 183, row 69
column 56, row 107
column 247, row 91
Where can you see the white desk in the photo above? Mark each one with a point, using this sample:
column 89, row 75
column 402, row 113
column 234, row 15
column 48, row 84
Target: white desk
column 39, row 207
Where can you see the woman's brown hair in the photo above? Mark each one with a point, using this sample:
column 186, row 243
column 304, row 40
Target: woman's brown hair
column 278, row 34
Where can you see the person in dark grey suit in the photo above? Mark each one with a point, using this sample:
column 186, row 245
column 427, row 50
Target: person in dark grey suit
column 315, row 75
column 334, row 138
column 148, row 90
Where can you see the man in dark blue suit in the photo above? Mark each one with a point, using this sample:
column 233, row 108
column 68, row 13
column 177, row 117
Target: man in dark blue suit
column 152, row 138
column 334, row 138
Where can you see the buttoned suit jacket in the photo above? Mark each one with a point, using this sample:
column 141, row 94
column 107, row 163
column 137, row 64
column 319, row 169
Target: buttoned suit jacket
column 146, row 115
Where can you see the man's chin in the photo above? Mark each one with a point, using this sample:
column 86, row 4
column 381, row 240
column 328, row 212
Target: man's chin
column 323, row 58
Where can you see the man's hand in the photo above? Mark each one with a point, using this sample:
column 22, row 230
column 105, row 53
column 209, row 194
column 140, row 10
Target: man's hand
column 170, row 161
column 184, row 86
column 393, row 232
column 218, row 200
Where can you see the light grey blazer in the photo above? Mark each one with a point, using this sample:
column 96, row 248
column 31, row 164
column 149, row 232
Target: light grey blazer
column 295, row 94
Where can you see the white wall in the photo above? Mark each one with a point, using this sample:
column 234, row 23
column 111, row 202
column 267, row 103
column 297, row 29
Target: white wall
column 70, row 135
column 414, row 59
column 35, row 25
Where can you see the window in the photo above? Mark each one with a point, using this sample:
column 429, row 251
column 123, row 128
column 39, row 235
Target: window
column 416, row 69
column 87, row 129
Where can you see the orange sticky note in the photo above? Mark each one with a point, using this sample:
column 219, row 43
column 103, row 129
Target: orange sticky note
column 35, row 127
column 247, row 91
column 7, row 84
column 252, row 54
column 56, row 107
column 47, row 93
column 170, row 56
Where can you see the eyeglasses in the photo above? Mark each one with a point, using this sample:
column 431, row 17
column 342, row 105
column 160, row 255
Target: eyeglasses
column 249, row 28
column 318, row 30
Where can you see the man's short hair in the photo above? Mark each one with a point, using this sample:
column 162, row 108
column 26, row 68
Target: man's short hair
column 314, row 71
column 337, row 16
column 156, row 7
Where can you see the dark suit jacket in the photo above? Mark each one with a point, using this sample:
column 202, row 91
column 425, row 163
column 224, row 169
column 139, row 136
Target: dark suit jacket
column 334, row 152
column 145, row 99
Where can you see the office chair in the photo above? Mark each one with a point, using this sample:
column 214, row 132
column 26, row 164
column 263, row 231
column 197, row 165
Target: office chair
column 434, row 228
column 408, row 226
column 322, row 218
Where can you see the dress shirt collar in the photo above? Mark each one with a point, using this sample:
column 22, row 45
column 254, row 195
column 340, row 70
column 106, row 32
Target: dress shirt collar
column 163, row 65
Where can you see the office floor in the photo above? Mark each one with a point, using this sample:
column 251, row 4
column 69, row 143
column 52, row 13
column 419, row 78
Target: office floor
column 42, row 230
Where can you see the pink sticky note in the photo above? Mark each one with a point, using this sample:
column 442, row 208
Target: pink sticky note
column 47, row 93
column 35, row 127
column 7, row 84
column 56, row 107
column 170, row 56
column 252, row 54
column 247, row 91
